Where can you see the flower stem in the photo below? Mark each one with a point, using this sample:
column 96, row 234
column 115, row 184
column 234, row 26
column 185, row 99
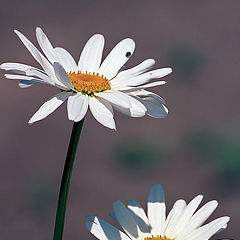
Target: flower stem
column 62, row 198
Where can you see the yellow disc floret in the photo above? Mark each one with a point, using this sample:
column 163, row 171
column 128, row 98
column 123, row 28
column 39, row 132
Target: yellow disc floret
column 157, row 238
column 89, row 83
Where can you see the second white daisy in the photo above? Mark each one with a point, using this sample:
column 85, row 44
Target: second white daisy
column 182, row 223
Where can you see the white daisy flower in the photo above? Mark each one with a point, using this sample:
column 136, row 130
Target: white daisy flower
column 182, row 223
column 101, row 86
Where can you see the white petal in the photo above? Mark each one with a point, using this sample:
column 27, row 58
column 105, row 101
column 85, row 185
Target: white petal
column 133, row 89
column 77, row 107
column 48, row 107
column 173, row 218
column 117, row 58
column 146, row 77
column 36, row 54
column 137, row 108
column 103, row 230
column 116, row 97
column 45, row 45
column 145, row 93
column 200, row 217
column 154, row 107
column 102, row 111
column 26, row 84
column 133, row 72
column 139, row 216
column 125, row 219
column 91, row 55
column 156, row 209
column 62, row 75
column 65, row 59
column 20, row 77
column 207, row 231
column 187, row 214
column 17, row 68
column 40, row 74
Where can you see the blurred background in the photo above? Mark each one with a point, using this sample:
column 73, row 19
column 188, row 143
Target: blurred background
column 196, row 149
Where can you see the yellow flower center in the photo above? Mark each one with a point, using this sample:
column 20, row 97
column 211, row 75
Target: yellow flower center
column 88, row 83
column 157, row 238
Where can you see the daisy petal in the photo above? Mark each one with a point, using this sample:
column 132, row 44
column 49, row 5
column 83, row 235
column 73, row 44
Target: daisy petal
column 116, row 97
column 17, row 68
column 146, row 93
column 62, row 75
column 156, row 209
column 187, row 214
column 50, row 106
column 77, row 106
column 146, row 77
column 154, row 107
column 26, row 84
column 200, row 217
column 137, row 108
column 133, row 89
column 36, row 54
column 117, row 58
column 105, row 229
column 91, row 55
column 102, row 112
column 139, row 216
column 45, row 45
column 135, row 71
column 39, row 74
column 173, row 218
column 65, row 59
column 21, row 77
column 208, row 230
column 125, row 219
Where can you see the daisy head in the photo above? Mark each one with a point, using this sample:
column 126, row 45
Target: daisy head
column 184, row 221
column 91, row 83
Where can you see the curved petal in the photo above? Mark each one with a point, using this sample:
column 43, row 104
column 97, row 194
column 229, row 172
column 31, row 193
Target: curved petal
column 39, row 74
column 154, row 107
column 116, row 97
column 17, row 68
column 117, row 58
column 26, row 83
column 133, row 72
column 125, row 219
column 200, row 217
column 77, row 106
column 45, row 45
column 187, row 214
column 103, row 230
column 173, row 218
column 146, row 77
column 139, row 216
column 62, row 75
column 133, row 89
column 48, row 107
column 102, row 112
column 145, row 93
column 91, row 55
column 208, row 230
column 36, row 54
column 156, row 209
column 65, row 59
column 137, row 108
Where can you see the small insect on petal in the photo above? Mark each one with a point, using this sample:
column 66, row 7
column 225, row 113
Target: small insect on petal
column 128, row 54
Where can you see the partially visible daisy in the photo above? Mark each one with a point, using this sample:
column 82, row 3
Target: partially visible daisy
column 101, row 86
column 182, row 223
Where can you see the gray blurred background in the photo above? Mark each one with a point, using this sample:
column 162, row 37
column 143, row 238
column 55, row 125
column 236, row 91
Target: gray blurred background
column 196, row 149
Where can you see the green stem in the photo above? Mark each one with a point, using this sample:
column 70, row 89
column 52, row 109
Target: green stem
column 66, row 177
